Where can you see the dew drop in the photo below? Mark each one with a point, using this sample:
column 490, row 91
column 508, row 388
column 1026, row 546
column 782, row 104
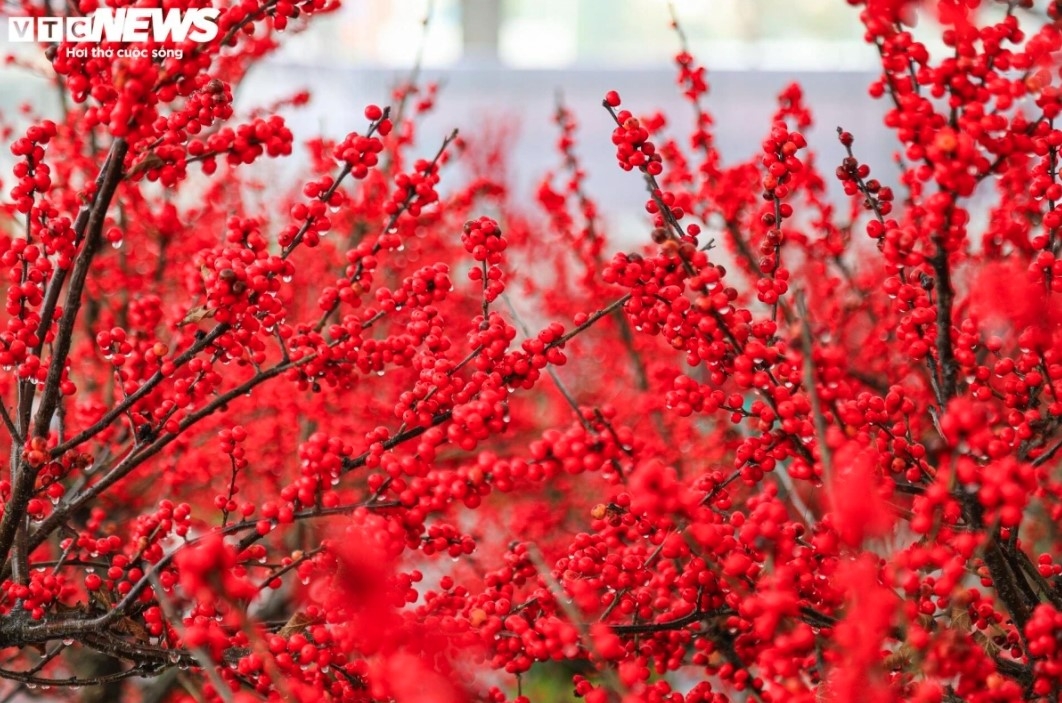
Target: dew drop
column 116, row 245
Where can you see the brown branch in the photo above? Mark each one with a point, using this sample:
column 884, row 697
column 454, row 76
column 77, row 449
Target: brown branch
column 139, row 393
column 676, row 624
column 444, row 415
column 945, row 297
column 816, row 407
column 64, row 336
column 139, row 454
column 411, row 195
column 14, row 520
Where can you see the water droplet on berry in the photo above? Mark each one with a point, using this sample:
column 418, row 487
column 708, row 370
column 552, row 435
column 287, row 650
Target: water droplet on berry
column 286, row 279
column 117, row 244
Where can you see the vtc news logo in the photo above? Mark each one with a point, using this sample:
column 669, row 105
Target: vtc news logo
column 127, row 25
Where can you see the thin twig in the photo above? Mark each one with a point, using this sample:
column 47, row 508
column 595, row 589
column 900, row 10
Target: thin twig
column 816, row 406
column 202, row 657
column 563, row 601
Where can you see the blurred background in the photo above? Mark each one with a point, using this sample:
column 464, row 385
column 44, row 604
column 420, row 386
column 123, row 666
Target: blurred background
column 502, row 63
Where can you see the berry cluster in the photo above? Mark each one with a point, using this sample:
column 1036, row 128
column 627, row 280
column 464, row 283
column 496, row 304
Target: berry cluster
column 633, row 148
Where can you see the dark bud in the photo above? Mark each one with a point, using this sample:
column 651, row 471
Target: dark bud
column 145, row 432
